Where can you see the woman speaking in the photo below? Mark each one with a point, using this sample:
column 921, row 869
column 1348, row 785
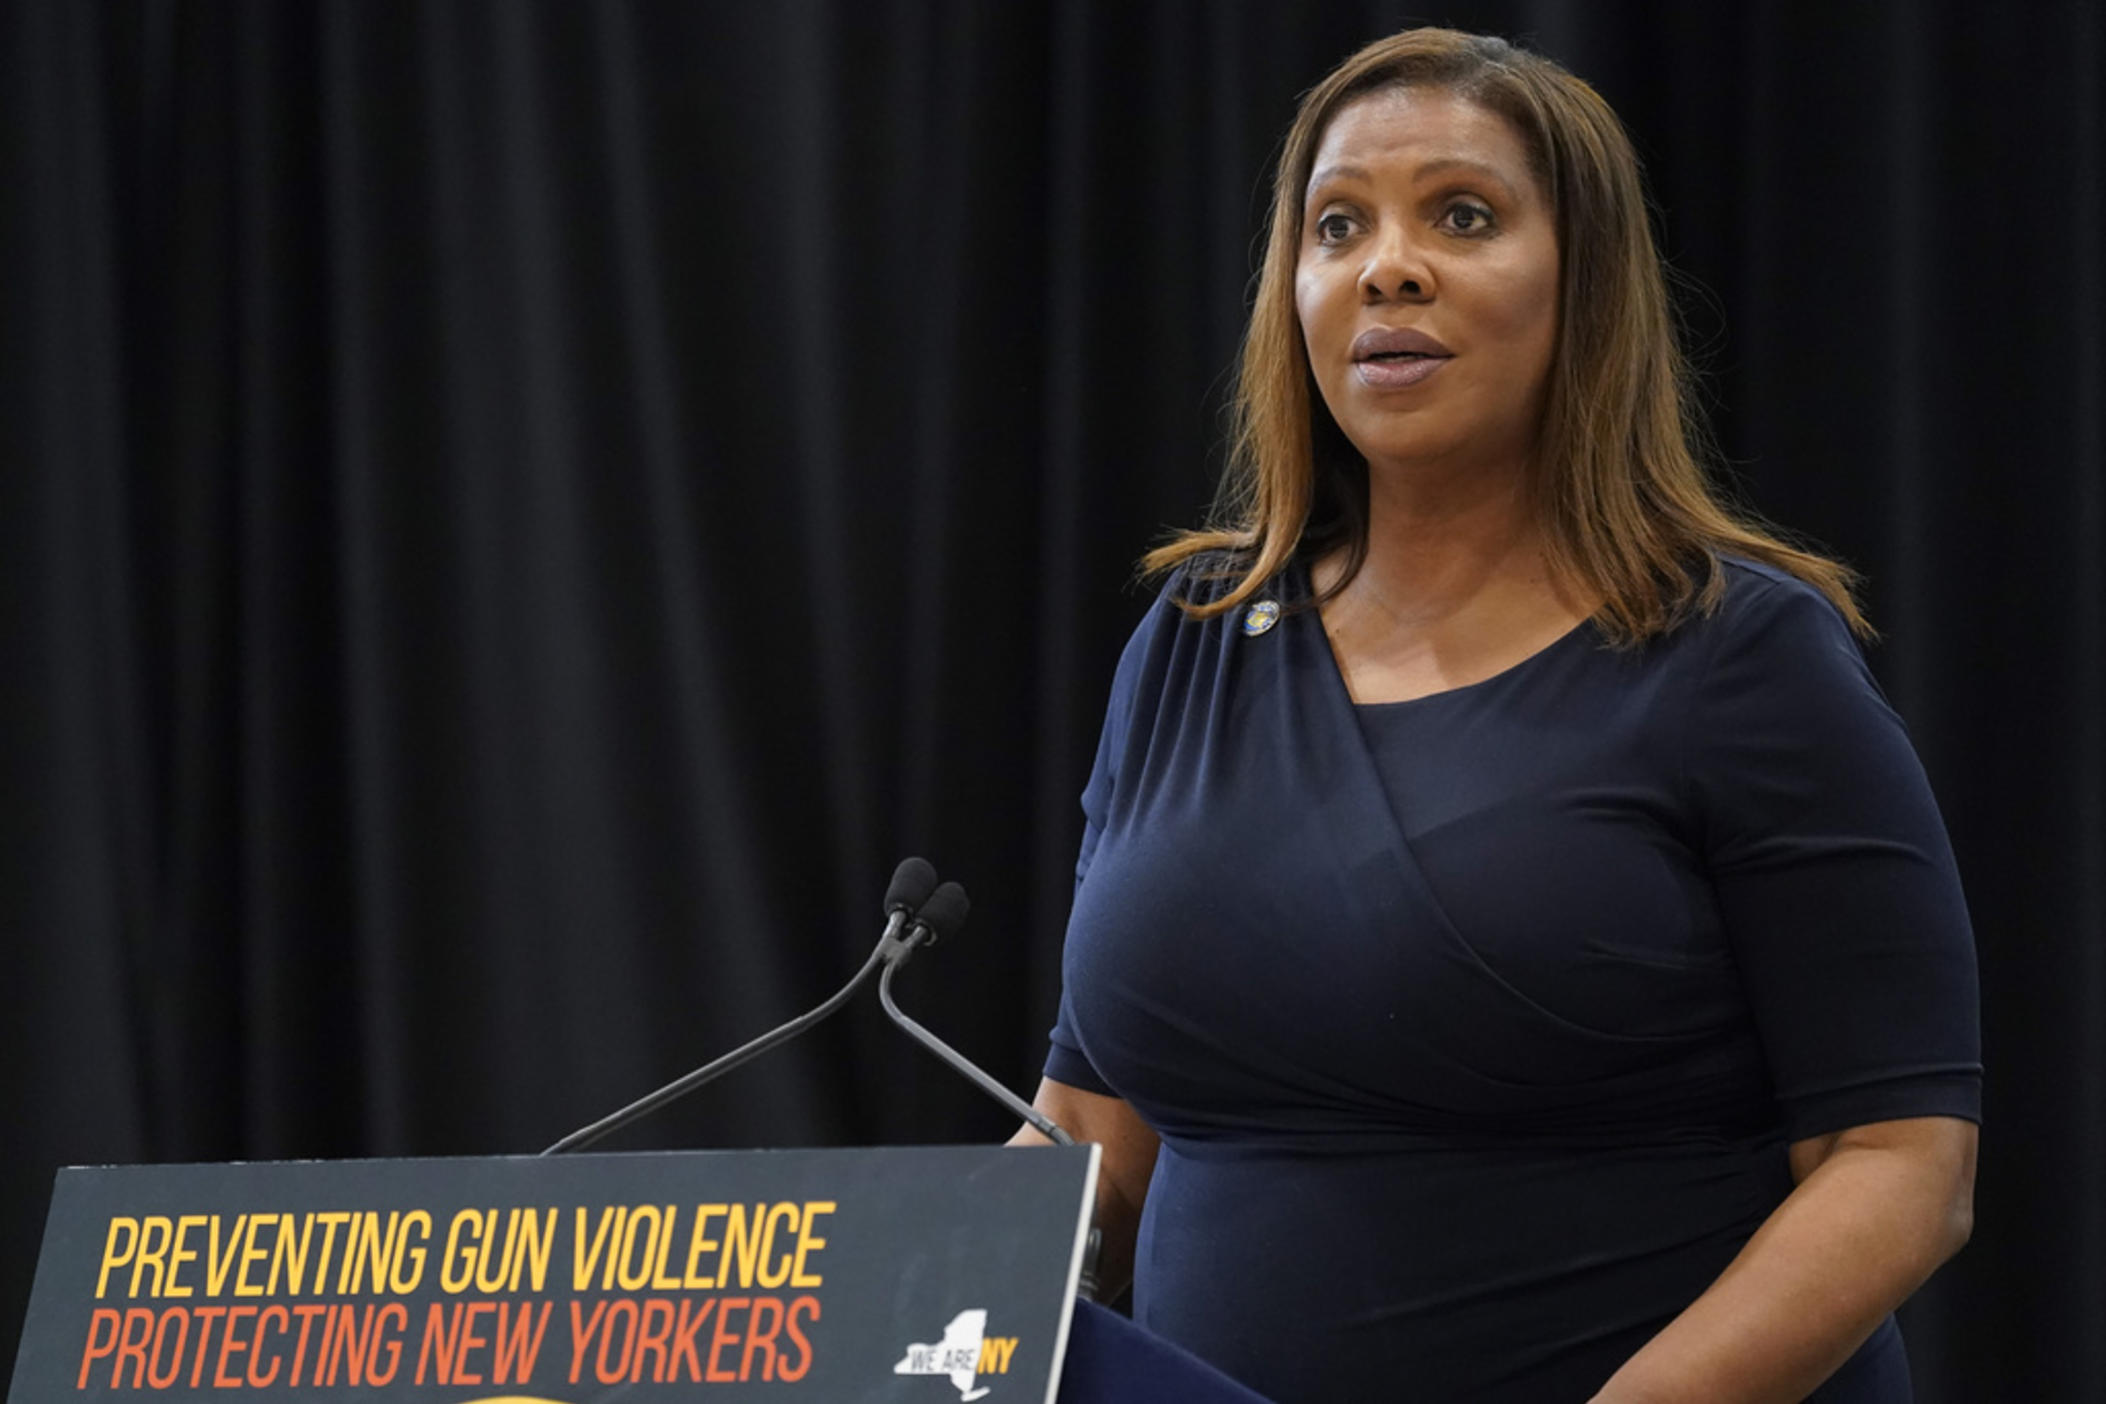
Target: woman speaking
column 1516, row 955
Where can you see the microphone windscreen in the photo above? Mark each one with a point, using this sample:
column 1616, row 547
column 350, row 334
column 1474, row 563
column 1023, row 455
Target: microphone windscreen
column 912, row 882
column 945, row 910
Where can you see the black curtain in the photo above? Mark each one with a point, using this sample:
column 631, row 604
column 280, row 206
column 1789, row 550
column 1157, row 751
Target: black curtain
column 514, row 516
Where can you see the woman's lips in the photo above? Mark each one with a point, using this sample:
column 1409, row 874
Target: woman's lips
column 1397, row 372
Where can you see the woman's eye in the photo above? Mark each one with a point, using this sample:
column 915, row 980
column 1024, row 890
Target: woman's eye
column 1467, row 218
column 1332, row 228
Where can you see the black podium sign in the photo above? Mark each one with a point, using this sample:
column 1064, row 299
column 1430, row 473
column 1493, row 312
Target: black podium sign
column 914, row 1275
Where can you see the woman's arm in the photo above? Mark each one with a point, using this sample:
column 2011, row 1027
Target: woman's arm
column 1877, row 1209
column 1122, row 1171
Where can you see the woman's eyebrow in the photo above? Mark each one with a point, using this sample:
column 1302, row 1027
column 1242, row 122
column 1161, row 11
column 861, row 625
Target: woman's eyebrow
column 1444, row 165
column 1333, row 173
column 1447, row 165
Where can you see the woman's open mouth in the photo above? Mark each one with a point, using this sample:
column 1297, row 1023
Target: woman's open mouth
column 1390, row 358
column 1397, row 369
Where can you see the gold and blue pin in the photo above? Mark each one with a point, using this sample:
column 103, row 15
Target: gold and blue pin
column 1260, row 617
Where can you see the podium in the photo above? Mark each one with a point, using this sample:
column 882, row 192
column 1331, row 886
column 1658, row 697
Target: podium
column 917, row 1275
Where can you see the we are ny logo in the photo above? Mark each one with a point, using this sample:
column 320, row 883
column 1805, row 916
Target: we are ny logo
column 965, row 1353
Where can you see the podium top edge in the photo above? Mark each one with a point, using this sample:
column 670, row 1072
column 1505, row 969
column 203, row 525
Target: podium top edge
column 630, row 1157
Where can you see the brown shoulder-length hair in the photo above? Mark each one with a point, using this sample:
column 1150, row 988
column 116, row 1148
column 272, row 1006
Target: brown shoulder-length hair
column 1627, row 512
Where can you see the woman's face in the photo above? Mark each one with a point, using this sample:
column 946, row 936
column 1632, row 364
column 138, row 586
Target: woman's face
column 1428, row 281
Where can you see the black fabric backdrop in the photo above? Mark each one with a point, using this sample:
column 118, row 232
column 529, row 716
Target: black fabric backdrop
column 513, row 517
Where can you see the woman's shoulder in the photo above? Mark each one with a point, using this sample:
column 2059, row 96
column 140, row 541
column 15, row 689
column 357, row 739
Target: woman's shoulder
column 1763, row 628
column 1207, row 576
column 1777, row 643
column 1748, row 579
column 1760, row 601
column 1176, row 640
column 1187, row 594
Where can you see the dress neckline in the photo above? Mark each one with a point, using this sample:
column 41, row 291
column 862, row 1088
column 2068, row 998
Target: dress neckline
column 1305, row 588
column 1556, row 645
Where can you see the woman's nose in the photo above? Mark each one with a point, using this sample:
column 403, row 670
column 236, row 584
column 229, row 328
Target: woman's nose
column 1395, row 270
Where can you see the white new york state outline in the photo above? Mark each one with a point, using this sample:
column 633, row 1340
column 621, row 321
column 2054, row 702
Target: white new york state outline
column 956, row 1355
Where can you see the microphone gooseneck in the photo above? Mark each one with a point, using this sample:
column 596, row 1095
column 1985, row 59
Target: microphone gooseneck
column 913, row 886
column 941, row 916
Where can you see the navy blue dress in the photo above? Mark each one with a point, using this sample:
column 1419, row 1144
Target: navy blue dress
column 1475, row 1027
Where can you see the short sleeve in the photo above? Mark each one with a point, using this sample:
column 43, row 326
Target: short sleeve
column 1834, row 877
column 1065, row 1060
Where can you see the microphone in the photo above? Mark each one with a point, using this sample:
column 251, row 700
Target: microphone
column 913, row 886
column 940, row 916
column 943, row 913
